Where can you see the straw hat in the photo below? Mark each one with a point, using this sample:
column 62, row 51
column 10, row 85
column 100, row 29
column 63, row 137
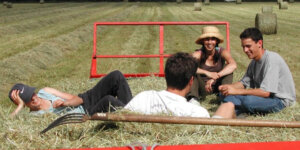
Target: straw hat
column 210, row 31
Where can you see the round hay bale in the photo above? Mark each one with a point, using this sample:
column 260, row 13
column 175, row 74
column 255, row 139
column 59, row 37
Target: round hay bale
column 178, row 1
column 279, row 1
column 4, row 3
column 206, row 2
column 267, row 9
column 9, row 5
column 283, row 5
column 197, row 6
column 238, row 1
column 42, row 1
column 266, row 23
column 291, row 1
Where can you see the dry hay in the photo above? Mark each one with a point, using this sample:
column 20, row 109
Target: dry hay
column 197, row 6
column 206, row 2
column 178, row 1
column 42, row 1
column 238, row 1
column 267, row 9
column 283, row 5
column 266, row 23
column 9, row 5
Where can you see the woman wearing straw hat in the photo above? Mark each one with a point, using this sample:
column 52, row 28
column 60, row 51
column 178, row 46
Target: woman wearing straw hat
column 215, row 64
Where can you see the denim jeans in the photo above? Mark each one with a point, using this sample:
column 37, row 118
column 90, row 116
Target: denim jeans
column 254, row 104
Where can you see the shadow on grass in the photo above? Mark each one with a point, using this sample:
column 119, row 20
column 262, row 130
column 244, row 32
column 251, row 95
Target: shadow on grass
column 106, row 126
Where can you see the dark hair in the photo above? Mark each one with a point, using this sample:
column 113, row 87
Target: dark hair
column 204, row 55
column 179, row 70
column 252, row 33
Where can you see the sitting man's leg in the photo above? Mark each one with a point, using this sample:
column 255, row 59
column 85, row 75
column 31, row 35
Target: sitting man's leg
column 254, row 104
column 225, row 110
column 236, row 100
column 260, row 105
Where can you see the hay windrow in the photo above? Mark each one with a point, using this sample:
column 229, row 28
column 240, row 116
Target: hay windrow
column 266, row 23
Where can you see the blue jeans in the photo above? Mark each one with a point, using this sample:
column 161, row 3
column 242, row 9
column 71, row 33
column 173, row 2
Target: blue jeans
column 254, row 104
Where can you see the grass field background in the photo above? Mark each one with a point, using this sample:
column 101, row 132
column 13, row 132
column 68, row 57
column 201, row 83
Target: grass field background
column 51, row 45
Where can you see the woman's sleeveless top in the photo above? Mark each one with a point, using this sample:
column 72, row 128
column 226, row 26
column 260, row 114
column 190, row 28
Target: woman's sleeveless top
column 216, row 68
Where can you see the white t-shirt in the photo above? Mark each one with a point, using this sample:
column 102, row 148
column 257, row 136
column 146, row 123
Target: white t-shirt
column 155, row 102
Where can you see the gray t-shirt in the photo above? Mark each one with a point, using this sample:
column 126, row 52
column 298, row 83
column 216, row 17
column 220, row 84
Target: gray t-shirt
column 273, row 75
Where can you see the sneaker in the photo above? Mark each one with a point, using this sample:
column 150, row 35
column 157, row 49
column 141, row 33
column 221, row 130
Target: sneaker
column 194, row 101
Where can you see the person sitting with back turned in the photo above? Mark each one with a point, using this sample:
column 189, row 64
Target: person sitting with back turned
column 108, row 94
column 180, row 71
column 267, row 86
column 215, row 64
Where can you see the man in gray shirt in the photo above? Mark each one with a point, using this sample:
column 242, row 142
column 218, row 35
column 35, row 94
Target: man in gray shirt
column 267, row 86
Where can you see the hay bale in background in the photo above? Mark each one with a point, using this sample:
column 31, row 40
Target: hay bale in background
column 125, row 1
column 9, row 5
column 291, row 1
column 198, row 0
column 267, row 9
column 197, row 6
column 4, row 3
column 178, row 1
column 206, row 2
column 238, row 1
column 266, row 23
column 283, row 5
column 279, row 1
column 42, row 1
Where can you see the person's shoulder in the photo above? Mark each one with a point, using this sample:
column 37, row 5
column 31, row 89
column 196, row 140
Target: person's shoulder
column 145, row 94
column 274, row 57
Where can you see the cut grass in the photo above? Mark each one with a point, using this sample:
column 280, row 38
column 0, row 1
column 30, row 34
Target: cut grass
column 59, row 55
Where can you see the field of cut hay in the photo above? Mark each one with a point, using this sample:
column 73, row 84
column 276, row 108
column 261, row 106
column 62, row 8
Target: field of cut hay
column 51, row 45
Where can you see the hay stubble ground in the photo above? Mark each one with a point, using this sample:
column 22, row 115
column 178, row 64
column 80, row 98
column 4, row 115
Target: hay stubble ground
column 51, row 45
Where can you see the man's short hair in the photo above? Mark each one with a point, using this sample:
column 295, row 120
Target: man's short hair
column 252, row 33
column 179, row 70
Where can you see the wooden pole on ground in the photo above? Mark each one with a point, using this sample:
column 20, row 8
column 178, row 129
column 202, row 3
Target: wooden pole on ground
column 192, row 120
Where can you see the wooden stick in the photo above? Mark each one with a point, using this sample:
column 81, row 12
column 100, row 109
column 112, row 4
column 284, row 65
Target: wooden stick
column 192, row 120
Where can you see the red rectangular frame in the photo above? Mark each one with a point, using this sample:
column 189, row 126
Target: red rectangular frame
column 161, row 55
